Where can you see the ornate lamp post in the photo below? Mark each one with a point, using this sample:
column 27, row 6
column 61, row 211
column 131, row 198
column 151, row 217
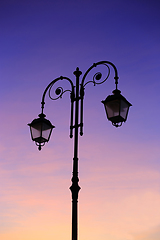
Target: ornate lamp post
column 116, row 107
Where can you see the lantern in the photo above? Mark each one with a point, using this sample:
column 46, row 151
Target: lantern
column 41, row 129
column 117, row 108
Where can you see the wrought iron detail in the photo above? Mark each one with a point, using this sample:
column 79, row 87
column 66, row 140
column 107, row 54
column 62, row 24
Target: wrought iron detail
column 98, row 76
column 59, row 91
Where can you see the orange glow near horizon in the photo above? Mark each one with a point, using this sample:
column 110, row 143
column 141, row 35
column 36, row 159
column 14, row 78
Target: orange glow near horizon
column 119, row 168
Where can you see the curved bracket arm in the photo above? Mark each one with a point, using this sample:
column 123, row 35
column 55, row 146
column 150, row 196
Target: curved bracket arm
column 98, row 75
column 59, row 91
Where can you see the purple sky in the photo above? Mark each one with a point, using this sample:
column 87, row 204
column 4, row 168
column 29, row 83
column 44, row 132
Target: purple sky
column 119, row 169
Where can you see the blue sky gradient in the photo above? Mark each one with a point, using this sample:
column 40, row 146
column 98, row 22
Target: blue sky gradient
column 119, row 169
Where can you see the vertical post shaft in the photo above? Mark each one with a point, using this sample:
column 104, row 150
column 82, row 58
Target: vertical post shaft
column 75, row 187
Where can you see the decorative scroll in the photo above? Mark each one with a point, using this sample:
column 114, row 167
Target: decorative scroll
column 59, row 91
column 98, row 77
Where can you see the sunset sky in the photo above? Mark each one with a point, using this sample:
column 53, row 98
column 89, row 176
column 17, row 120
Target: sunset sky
column 119, row 168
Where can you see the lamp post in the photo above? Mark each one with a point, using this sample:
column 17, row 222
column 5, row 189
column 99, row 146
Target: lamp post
column 116, row 107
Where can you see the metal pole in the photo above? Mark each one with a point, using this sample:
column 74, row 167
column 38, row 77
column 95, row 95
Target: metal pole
column 75, row 187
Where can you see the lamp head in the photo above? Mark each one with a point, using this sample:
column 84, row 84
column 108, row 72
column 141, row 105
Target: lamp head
column 41, row 130
column 117, row 108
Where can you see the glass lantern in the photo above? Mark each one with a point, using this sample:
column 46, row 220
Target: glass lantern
column 117, row 108
column 41, row 130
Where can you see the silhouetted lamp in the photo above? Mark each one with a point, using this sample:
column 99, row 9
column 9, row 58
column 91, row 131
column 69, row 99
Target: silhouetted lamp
column 41, row 129
column 117, row 108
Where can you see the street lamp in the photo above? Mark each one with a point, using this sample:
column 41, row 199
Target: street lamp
column 116, row 107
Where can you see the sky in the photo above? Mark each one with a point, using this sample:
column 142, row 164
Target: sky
column 119, row 168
